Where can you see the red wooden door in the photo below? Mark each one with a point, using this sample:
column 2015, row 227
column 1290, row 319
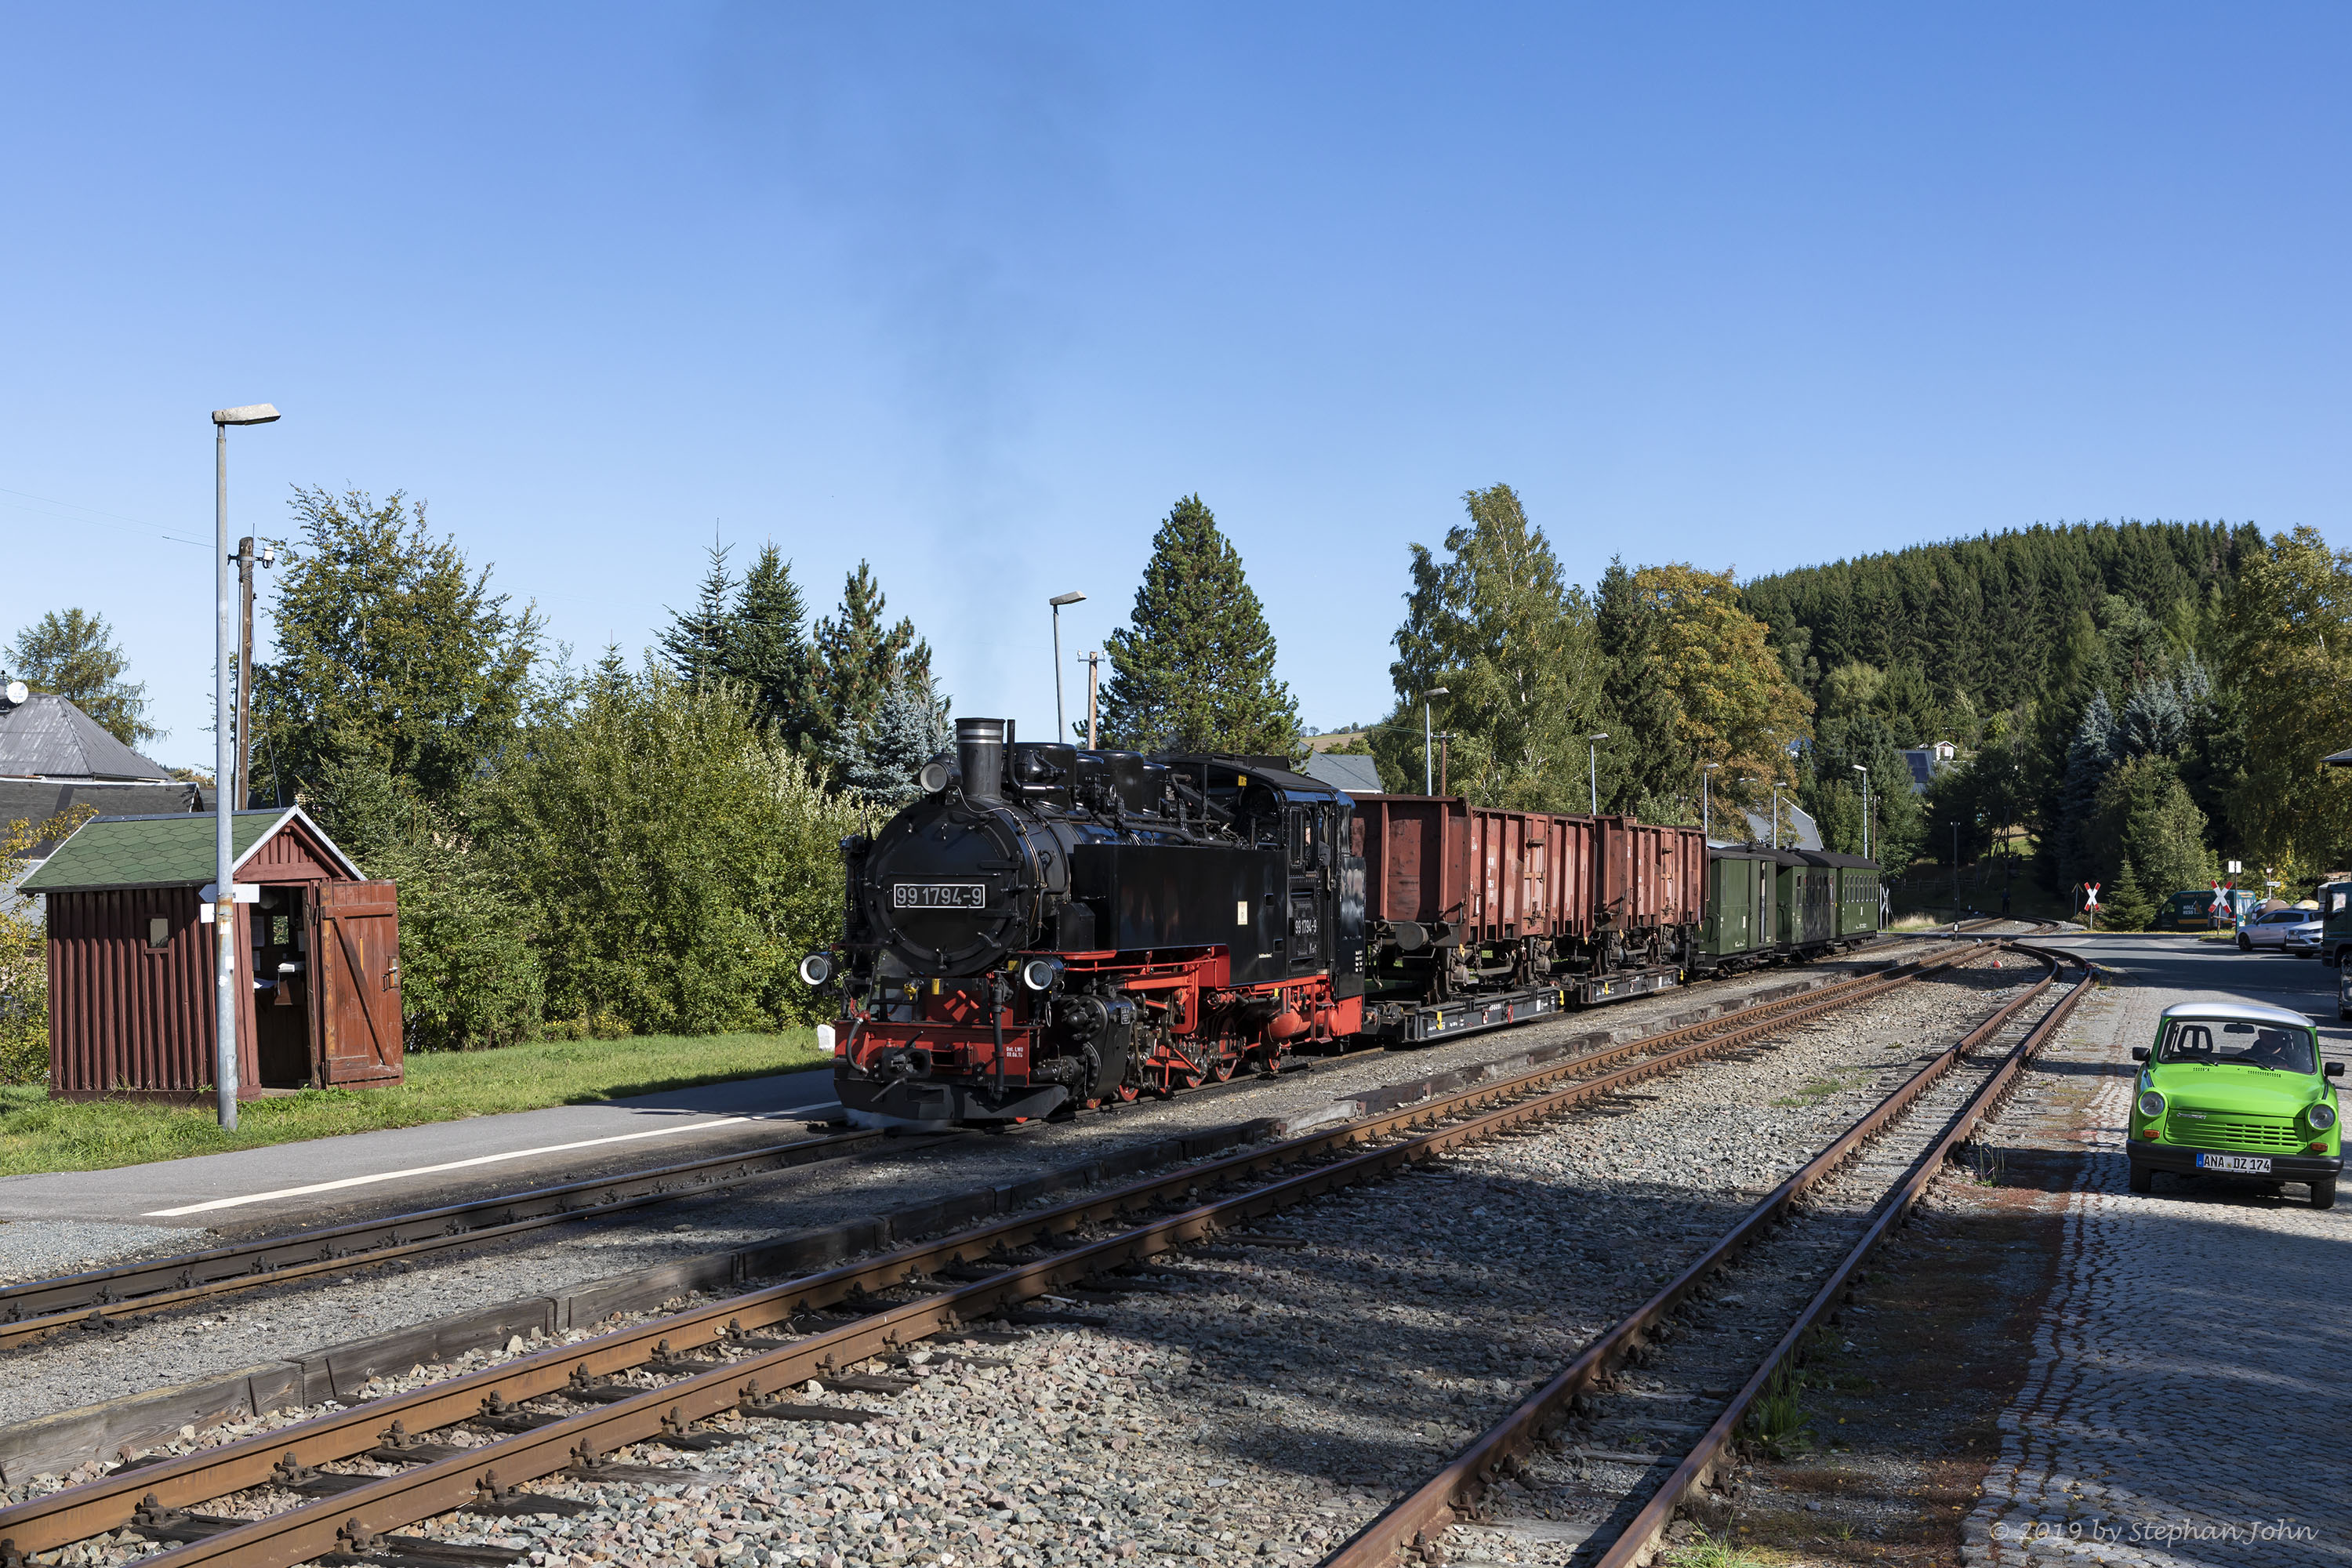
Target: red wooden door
column 355, row 983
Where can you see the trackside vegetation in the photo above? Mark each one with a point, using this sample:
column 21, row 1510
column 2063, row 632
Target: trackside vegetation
column 640, row 848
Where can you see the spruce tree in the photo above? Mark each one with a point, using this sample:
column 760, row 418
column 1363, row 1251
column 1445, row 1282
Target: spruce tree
column 1193, row 668
column 767, row 648
column 1645, row 764
column 695, row 646
column 876, row 757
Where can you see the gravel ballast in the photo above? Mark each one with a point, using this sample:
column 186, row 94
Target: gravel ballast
column 1265, row 1401
column 144, row 1353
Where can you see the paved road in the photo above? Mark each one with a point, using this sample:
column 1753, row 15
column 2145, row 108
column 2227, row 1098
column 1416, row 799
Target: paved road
column 415, row 1167
column 2192, row 1374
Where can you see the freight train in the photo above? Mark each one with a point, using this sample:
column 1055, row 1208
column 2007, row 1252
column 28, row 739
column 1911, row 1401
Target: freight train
column 1048, row 929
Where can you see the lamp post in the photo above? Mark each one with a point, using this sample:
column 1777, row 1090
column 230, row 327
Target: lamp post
column 1428, row 784
column 1706, row 803
column 1592, row 766
column 1061, row 728
column 1857, row 767
column 225, row 770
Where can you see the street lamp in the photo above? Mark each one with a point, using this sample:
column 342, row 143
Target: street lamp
column 1428, row 783
column 1061, row 730
column 1857, row 767
column 1706, row 804
column 1592, row 766
column 224, row 771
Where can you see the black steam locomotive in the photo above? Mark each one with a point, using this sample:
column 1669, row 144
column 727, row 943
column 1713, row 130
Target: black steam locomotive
column 1051, row 928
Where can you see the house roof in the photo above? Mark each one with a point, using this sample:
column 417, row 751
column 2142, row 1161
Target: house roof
column 1800, row 833
column 162, row 851
column 1354, row 771
column 48, row 737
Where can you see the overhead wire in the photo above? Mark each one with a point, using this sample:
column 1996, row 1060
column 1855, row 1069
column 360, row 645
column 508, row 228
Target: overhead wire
column 94, row 516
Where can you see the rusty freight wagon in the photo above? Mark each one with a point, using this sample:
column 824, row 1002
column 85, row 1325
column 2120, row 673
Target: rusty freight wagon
column 131, row 958
column 1479, row 917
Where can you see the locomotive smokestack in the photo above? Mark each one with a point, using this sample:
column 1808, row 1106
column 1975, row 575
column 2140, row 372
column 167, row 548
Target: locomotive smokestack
column 980, row 753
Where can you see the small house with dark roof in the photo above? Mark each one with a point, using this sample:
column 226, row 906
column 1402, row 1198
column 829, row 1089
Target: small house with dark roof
column 131, row 954
column 55, row 757
column 1354, row 773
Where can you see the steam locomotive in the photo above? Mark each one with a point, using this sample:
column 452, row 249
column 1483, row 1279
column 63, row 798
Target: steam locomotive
column 1050, row 928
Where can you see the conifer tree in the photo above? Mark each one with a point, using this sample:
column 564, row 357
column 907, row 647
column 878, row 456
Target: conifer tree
column 853, row 661
column 1645, row 764
column 767, row 646
column 695, row 646
column 876, row 757
column 1193, row 668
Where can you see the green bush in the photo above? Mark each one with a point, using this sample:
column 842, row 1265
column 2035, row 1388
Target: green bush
column 469, row 975
column 672, row 860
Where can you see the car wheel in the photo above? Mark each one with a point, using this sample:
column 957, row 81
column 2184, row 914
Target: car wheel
column 2322, row 1192
column 2244, row 945
column 2142, row 1180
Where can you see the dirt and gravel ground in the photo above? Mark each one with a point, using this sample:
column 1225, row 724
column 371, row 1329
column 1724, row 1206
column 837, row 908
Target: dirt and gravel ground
column 1264, row 1402
column 289, row 1320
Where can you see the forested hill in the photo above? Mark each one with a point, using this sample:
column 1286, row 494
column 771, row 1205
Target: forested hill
column 1991, row 616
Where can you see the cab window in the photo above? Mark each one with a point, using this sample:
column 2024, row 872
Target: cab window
column 2216, row 1043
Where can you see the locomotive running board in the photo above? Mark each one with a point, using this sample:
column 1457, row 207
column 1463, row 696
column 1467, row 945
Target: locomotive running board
column 1418, row 1025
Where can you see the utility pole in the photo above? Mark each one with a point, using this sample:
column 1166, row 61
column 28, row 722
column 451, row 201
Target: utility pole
column 1705, row 801
column 1443, row 736
column 245, row 563
column 1094, row 675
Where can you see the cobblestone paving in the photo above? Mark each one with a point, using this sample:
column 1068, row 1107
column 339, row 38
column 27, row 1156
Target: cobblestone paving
column 2190, row 1386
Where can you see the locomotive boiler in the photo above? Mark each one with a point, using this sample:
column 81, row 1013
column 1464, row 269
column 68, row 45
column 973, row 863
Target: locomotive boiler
column 1049, row 928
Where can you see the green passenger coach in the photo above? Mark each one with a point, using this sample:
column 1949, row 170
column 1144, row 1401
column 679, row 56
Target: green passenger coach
column 1741, row 928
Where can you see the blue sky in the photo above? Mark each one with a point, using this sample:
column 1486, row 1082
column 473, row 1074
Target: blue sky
column 975, row 292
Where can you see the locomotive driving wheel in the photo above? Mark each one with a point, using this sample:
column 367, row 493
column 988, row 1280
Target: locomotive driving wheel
column 1221, row 1066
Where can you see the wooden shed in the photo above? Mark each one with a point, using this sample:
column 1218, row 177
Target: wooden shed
column 130, row 959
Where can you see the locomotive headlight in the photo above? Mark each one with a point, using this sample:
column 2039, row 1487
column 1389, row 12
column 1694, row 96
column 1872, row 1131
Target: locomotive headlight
column 1039, row 973
column 933, row 777
column 2321, row 1117
column 2151, row 1104
column 816, row 968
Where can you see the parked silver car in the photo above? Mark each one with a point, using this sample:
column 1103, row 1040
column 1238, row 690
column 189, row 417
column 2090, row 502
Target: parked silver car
column 2289, row 930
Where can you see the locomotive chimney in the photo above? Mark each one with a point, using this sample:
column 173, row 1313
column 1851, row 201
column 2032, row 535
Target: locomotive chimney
column 980, row 753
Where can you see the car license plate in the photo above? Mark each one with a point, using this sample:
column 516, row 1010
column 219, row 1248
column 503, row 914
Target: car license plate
column 2243, row 1164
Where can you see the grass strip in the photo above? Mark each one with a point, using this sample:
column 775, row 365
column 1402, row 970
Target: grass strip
column 38, row 1134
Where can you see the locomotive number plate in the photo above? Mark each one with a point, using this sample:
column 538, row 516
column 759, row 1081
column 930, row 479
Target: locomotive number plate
column 939, row 896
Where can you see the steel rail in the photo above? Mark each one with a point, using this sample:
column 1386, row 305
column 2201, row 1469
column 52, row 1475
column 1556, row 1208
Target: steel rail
column 376, row 1507
column 38, row 1307
column 1434, row 1507
column 108, row 1504
column 34, row 1310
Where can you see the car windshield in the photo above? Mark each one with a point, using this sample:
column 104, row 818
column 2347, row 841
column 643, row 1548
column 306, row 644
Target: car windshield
column 2216, row 1042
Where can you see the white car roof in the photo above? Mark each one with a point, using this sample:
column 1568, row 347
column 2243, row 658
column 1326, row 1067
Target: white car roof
column 2236, row 1013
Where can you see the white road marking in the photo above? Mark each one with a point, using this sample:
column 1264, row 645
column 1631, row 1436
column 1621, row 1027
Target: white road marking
column 476, row 1159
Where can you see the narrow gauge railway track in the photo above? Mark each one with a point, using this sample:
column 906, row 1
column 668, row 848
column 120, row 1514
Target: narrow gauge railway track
column 34, row 1310
column 725, row 1356
column 1685, row 1342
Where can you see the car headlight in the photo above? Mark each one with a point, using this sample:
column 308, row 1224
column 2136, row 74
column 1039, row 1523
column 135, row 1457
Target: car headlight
column 2321, row 1117
column 2151, row 1104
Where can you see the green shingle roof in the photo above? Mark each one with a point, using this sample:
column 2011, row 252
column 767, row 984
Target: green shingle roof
column 150, row 851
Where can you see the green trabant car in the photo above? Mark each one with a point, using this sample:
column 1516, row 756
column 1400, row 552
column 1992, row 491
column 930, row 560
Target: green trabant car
column 2234, row 1090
